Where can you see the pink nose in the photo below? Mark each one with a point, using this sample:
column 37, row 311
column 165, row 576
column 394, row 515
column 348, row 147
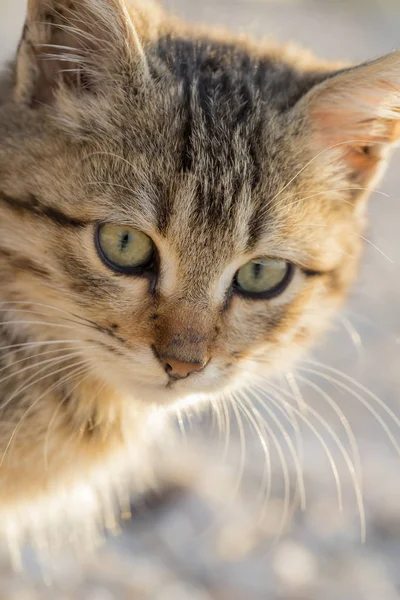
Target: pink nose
column 178, row 369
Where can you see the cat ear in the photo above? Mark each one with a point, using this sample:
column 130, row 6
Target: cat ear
column 74, row 45
column 353, row 118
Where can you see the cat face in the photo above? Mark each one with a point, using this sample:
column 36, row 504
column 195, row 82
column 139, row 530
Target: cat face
column 189, row 209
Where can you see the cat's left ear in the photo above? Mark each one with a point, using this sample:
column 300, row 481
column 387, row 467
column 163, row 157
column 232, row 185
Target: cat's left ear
column 74, row 46
column 353, row 119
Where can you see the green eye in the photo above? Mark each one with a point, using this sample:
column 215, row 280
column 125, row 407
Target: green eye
column 123, row 248
column 263, row 277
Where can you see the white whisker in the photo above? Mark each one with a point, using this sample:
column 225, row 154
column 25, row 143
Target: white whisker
column 290, row 446
column 25, row 345
column 225, row 409
column 266, row 479
column 39, row 364
column 358, row 396
column 47, row 324
column 347, row 142
column 44, row 305
column 349, row 463
column 33, row 357
column 32, row 381
column 277, row 403
column 15, row 431
column 286, row 478
column 242, row 441
column 343, row 420
column 330, row 191
column 354, row 335
column 181, row 424
column 52, row 421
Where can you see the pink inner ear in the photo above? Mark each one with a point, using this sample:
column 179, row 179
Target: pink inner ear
column 358, row 113
column 358, row 149
column 355, row 121
column 359, row 122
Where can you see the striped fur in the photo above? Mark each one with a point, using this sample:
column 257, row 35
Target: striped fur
column 221, row 150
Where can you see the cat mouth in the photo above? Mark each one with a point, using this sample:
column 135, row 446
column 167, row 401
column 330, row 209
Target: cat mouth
column 173, row 382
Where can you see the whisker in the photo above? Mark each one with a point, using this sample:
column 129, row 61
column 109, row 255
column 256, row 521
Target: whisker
column 372, row 324
column 14, row 433
column 291, row 448
column 35, row 356
column 349, row 463
column 285, row 473
column 343, row 421
column 44, row 305
column 59, row 407
column 216, row 416
column 266, row 479
column 353, row 393
column 227, row 420
column 222, row 415
column 344, row 453
column 277, row 402
column 31, row 383
column 365, row 239
column 39, row 364
column 242, row 441
column 47, row 324
column 347, row 142
column 52, row 421
column 181, row 424
column 24, row 345
column 353, row 334
column 297, row 433
column 330, row 191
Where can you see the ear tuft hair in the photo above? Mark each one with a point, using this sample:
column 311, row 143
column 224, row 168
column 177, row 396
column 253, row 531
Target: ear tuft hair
column 79, row 45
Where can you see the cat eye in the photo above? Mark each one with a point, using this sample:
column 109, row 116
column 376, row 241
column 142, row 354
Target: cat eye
column 263, row 277
column 123, row 248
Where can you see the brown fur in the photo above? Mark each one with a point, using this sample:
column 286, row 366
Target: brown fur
column 221, row 150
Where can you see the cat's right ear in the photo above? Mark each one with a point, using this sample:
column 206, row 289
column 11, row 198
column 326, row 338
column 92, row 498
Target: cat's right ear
column 74, row 46
column 352, row 120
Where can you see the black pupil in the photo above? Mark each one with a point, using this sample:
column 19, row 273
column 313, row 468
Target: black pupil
column 125, row 238
column 257, row 270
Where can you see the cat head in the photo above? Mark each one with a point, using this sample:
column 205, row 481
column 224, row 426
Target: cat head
column 186, row 209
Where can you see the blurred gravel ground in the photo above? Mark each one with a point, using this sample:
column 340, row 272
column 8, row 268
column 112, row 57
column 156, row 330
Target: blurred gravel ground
column 211, row 543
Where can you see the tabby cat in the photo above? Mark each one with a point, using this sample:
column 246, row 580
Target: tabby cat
column 180, row 211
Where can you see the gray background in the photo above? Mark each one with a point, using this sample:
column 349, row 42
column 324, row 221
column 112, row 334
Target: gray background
column 207, row 543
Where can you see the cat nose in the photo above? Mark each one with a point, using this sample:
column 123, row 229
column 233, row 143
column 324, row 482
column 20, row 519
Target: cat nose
column 178, row 369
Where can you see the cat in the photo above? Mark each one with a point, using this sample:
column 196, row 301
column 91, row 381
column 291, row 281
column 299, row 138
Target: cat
column 181, row 211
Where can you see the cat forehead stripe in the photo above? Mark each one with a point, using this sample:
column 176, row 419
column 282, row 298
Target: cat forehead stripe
column 33, row 206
